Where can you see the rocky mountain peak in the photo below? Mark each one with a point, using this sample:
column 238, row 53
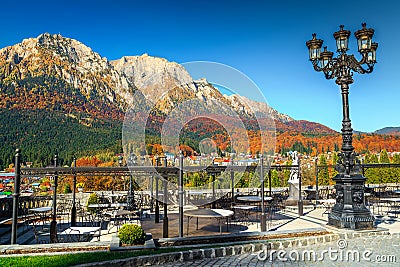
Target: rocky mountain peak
column 152, row 75
column 167, row 83
column 262, row 109
column 54, row 57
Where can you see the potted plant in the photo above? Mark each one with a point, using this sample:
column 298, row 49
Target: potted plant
column 80, row 187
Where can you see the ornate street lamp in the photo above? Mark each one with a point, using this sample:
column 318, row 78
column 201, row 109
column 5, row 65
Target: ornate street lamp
column 349, row 210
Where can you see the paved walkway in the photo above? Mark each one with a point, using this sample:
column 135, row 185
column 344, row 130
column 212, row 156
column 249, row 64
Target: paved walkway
column 379, row 251
column 365, row 251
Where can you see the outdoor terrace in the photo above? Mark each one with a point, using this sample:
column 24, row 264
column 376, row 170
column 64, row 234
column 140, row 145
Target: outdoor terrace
column 104, row 220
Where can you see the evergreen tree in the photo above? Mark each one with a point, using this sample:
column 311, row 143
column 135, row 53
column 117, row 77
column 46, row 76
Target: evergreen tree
column 275, row 181
column 396, row 160
column 384, row 157
column 385, row 174
column 372, row 174
column 323, row 175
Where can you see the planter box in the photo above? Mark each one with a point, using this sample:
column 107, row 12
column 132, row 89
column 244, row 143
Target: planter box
column 116, row 245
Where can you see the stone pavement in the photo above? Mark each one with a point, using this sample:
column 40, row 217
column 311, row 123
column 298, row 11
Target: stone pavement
column 366, row 251
column 382, row 248
column 368, row 248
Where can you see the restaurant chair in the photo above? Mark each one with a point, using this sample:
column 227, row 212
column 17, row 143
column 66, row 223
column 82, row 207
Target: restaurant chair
column 41, row 232
column 376, row 205
column 64, row 212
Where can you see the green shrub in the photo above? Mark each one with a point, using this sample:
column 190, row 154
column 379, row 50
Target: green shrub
column 93, row 199
column 43, row 188
column 67, row 189
column 132, row 234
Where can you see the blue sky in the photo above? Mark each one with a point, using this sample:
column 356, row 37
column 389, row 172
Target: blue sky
column 263, row 39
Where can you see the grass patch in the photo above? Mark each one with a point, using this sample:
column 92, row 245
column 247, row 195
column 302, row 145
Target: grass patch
column 65, row 260
column 69, row 259
column 74, row 258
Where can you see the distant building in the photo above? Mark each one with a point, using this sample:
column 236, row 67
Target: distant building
column 170, row 156
column 246, row 162
column 7, row 176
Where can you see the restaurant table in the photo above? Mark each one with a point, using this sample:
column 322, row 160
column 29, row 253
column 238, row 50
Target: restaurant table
column 375, row 189
column 396, row 192
column 117, row 205
column 99, row 207
column 253, row 198
column 43, row 213
column 243, row 211
column 393, row 205
column 117, row 217
column 114, row 197
column 328, row 204
column 107, row 205
column 311, row 193
column 391, row 199
column 196, row 195
column 218, row 214
column 41, row 209
column 276, row 191
column 373, row 186
column 82, row 233
column 367, row 196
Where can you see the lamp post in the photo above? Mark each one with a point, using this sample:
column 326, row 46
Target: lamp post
column 263, row 215
column 73, row 209
column 213, row 204
column 16, row 195
column 131, row 194
column 349, row 210
column 232, row 173
column 180, row 194
column 300, row 201
column 53, row 223
column 157, row 208
column 316, row 182
column 165, row 206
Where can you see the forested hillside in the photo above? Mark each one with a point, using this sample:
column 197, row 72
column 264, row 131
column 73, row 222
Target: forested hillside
column 40, row 134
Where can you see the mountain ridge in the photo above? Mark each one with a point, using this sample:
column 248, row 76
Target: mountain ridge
column 388, row 131
column 56, row 61
column 71, row 82
column 51, row 65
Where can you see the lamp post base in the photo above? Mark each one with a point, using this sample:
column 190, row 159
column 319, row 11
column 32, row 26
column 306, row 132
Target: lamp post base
column 53, row 231
column 353, row 221
column 263, row 222
column 349, row 212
